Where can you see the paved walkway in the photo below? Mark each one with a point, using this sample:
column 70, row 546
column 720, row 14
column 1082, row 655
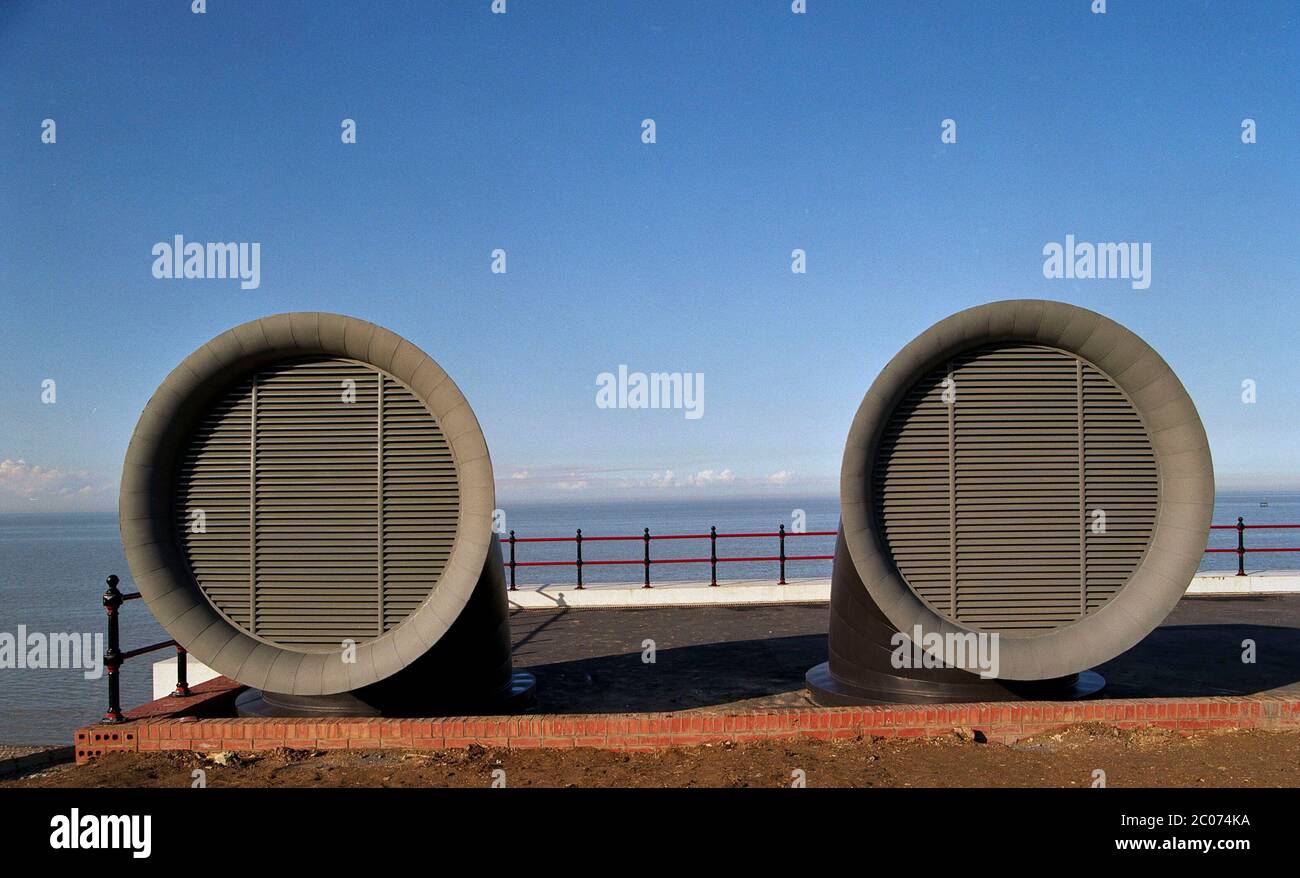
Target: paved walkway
column 590, row 661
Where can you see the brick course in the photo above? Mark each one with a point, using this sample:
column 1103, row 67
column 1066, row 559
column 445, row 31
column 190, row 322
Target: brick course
column 189, row 724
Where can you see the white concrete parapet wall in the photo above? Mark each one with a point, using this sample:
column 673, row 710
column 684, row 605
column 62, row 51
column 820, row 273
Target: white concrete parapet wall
column 164, row 675
column 765, row 591
column 1259, row 582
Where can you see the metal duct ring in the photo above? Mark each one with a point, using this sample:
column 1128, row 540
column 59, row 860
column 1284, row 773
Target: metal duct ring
column 1184, row 488
column 155, row 545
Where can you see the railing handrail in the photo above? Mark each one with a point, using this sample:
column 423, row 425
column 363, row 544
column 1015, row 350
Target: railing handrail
column 114, row 657
column 781, row 534
column 646, row 538
column 153, row 647
column 653, row 537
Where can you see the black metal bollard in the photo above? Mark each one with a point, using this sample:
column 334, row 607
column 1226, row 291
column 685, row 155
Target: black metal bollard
column 647, row 557
column 113, row 654
column 1241, row 546
column 781, row 535
column 579, row 557
column 512, row 560
column 182, row 680
column 713, row 555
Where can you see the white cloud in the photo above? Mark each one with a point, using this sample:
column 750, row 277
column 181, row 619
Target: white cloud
column 670, row 479
column 24, row 486
column 661, row 480
column 708, row 477
column 558, row 482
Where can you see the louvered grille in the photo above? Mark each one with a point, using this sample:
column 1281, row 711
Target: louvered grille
column 330, row 502
column 990, row 505
column 1120, row 478
column 420, row 502
column 213, row 496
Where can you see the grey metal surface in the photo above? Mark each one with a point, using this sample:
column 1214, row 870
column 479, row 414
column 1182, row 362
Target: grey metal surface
column 160, row 559
column 1118, row 613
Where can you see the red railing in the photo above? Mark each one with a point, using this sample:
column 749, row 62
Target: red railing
column 781, row 534
column 645, row 561
column 1240, row 550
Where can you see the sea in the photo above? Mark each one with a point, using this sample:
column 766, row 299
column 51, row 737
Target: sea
column 53, row 567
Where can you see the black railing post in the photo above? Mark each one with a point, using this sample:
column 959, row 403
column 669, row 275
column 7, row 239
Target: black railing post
column 781, row 534
column 113, row 654
column 579, row 557
column 647, row 557
column 713, row 554
column 1241, row 546
column 512, row 560
column 182, row 680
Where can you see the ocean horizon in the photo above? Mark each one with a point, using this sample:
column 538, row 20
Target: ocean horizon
column 54, row 566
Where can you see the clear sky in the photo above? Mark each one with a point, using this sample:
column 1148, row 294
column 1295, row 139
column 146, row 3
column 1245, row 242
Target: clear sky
column 523, row 131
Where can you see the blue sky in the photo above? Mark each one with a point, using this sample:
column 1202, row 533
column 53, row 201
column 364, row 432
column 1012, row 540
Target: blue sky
column 522, row 131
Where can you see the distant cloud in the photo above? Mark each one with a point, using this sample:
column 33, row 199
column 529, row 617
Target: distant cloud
column 26, row 487
column 669, row 479
column 616, row 484
column 656, row 480
column 708, row 477
column 526, row 482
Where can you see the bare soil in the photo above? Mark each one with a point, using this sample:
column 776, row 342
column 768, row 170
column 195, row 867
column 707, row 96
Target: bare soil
column 1065, row 758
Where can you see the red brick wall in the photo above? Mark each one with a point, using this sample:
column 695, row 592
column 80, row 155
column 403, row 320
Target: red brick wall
column 178, row 724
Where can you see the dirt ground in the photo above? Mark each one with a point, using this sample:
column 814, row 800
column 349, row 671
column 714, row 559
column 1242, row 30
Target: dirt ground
column 1136, row 758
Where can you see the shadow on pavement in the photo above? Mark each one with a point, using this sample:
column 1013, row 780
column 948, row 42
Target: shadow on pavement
column 1176, row 660
column 1182, row 660
column 684, row 677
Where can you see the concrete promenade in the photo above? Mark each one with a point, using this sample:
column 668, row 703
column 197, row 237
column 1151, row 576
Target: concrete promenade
column 1227, row 599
